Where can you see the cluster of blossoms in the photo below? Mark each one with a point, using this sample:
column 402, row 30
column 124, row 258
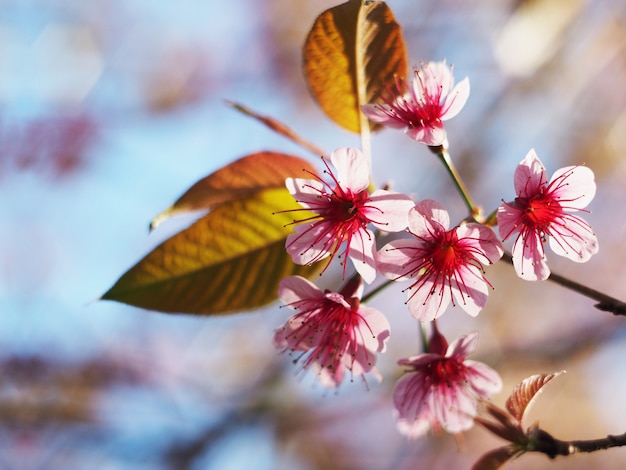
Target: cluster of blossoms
column 333, row 332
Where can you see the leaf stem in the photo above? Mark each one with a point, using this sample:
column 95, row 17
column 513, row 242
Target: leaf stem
column 605, row 303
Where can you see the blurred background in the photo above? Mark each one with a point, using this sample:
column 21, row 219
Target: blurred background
column 111, row 110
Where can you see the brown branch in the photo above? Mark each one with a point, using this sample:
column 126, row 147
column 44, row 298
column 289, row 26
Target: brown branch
column 605, row 303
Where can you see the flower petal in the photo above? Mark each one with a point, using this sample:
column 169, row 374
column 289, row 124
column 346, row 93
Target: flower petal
column 425, row 303
column 394, row 260
column 462, row 347
column 353, row 171
column 389, row 210
column 382, row 114
column 483, row 380
column 427, row 216
column 530, row 175
column 577, row 187
column 306, row 191
column 576, row 241
column 294, row 288
column 308, row 244
column 456, row 100
column 432, row 135
column 529, row 258
column 454, row 408
column 470, row 290
column 481, row 241
column 361, row 249
column 509, row 217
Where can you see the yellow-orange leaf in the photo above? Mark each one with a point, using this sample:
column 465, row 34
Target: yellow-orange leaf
column 240, row 179
column 352, row 50
column 230, row 260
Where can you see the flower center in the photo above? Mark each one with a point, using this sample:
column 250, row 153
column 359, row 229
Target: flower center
column 445, row 371
column 539, row 211
column 444, row 256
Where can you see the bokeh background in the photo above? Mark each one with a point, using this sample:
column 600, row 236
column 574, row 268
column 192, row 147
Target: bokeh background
column 110, row 110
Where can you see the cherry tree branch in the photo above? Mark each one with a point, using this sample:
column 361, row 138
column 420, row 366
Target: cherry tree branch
column 552, row 447
column 605, row 303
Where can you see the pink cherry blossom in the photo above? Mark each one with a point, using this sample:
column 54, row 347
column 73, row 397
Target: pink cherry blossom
column 332, row 329
column 442, row 387
column 446, row 265
column 430, row 100
column 343, row 209
column 542, row 211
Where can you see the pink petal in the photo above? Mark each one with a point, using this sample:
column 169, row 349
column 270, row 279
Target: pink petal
column 305, row 191
column 472, row 297
column 454, row 408
column 509, row 218
column 483, row 380
column 427, row 135
column 456, row 100
column 375, row 329
column 425, row 305
column 308, row 244
column 488, row 248
column 394, row 258
column 530, row 175
column 294, row 288
column 463, row 346
column 578, row 243
column 353, row 172
column 389, row 211
column 529, row 259
column 427, row 216
column 362, row 247
column 328, row 377
column 377, row 114
column 434, row 79
column 416, row 428
column 411, row 395
column 580, row 187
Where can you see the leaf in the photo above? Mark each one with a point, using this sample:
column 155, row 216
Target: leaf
column 352, row 50
column 525, row 392
column 495, row 459
column 240, row 179
column 230, row 260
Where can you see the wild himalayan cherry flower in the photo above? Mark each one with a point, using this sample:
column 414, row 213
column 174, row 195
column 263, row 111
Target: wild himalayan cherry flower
column 441, row 388
column 543, row 210
column 430, row 100
column 446, row 264
column 343, row 209
column 332, row 329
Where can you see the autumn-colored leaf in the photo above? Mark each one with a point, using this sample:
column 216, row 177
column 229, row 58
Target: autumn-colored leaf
column 238, row 180
column 352, row 50
column 525, row 392
column 495, row 459
column 230, row 260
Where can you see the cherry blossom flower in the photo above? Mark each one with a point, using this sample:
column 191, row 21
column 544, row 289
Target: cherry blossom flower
column 442, row 388
column 447, row 265
column 343, row 209
column 542, row 211
column 332, row 329
column 422, row 110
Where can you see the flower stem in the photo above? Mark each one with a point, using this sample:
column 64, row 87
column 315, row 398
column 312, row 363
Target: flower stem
column 605, row 303
column 444, row 156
